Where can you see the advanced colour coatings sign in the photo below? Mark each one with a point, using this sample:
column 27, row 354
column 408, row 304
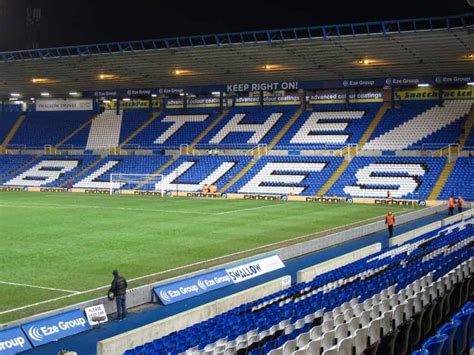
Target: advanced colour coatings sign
column 198, row 285
column 13, row 341
column 53, row 328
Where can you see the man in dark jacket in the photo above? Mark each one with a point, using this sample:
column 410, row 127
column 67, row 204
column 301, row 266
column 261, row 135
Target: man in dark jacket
column 119, row 289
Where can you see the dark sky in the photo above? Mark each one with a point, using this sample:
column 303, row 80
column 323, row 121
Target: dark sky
column 69, row 22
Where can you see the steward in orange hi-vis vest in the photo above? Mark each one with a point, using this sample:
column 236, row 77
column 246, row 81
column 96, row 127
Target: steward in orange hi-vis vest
column 460, row 204
column 451, row 206
column 390, row 222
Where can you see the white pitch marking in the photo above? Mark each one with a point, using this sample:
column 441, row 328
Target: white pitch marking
column 249, row 209
column 35, row 286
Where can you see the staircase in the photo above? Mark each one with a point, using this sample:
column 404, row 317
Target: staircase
column 285, row 128
column 239, row 175
column 141, row 128
column 105, row 130
column 157, row 172
column 373, row 125
column 443, row 177
column 12, row 132
column 87, row 168
column 76, row 131
column 209, row 128
column 467, row 127
column 337, row 174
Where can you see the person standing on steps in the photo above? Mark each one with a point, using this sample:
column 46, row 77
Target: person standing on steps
column 451, row 205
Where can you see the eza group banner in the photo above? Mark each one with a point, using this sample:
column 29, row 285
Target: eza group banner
column 53, row 328
column 198, row 285
column 195, row 286
column 64, row 105
column 254, row 268
column 13, row 341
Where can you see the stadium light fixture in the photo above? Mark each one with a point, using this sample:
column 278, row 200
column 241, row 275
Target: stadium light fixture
column 216, row 93
column 73, row 93
column 181, row 94
column 15, row 94
column 153, row 95
column 43, row 81
column 107, row 76
column 471, row 83
column 32, row 98
column 126, row 99
column 423, row 85
column 45, row 94
column 106, row 101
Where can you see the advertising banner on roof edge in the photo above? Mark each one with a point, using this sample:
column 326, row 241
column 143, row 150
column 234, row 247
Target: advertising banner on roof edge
column 46, row 330
column 64, row 105
column 13, row 341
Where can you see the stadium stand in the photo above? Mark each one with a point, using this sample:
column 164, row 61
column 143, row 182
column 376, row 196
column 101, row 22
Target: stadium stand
column 174, row 127
column 50, row 170
column 389, row 302
column 329, row 126
column 7, row 120
column 105, row 130
column 41, row 128
column 10, row 163
column 132, row 119
column 190, row 173
column 418, row 124
column 405, row 177
column 98, row 177
column 297, row 175
column 461, row 180
column 248, row 126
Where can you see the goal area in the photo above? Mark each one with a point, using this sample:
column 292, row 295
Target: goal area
column 143, row 182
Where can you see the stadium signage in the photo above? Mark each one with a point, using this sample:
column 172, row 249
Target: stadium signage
column 358, row 83
column 53, row 328
column 326, row 199
column 9, row 188
column 96, row 191
column 194, row 286
column 51, row 189
column 96, row 312
column 64, row 105
column 402, row 81
column 286, row 85
column 202, row 195
column 262, row 197
column 452, row 79
column 254, row 268
column 147, row 193
column 392, row 202
column 13, row 341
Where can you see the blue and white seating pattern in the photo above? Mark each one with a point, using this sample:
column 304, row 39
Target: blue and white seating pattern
column 41, row 128
column 50, row 170
column 329, row 126
column 98, row 177
column 420, row 124
column 405, row 177
column 298, row 175
column 190, row 173
column 354, row 306
column 11, row 163
column 248, row 126
column 176, row 126
column 461, row 180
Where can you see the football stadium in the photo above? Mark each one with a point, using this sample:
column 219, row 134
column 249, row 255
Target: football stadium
column 297, row 191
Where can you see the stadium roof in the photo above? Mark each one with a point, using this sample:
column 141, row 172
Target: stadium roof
column 403, row 48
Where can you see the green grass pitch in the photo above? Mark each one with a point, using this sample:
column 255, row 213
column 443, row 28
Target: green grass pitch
column 66, row 245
